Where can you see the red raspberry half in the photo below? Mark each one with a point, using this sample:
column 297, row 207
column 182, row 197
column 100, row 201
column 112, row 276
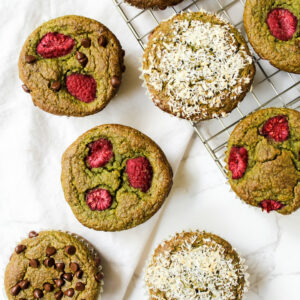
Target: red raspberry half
column 269, row 205
column 82, row 87
column 98, row 199
column 100, row 154
column 276, row 128
column 139, row 173
column 55, row 44
column 238, row 161
column 282, row 23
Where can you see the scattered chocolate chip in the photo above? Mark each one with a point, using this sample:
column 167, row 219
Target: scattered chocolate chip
column 30, row 59
column 115, row 81
column 24, row 284
column 50, row 251
column 123, row 52
column 97, row 261
column 82, row 59
column 34, row 263
column 32, row 234
column 25, row 88
column 123, row 68
column 48, row 287
column 20, row 248
column 59, row 282
column 86, row 42
column 49, row 262
column 102, row 41
column 67, row 276
column 79, row 274
column 74, row 267
column 99, row 276
column 55, row 86
column 70, row 249
column 15, row 290
column 60, row 267
column 58, row 295
column 69, row 292
column 79, row 286
column 38, row 294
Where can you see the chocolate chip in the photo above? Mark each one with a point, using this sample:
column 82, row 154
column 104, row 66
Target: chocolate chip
column 115, row 81
column 25, row 88
column 86, row 42
column 99, row 276
column 102, row 41
column 38, row 294
column 50, row 251
column 70, row 249
column 32, row 234
column 59, row 282
column 67, row 276
column 15, row 290
column 81, row 57
column 123, row 68
column 34, row 263
column 20, row 248
column 123, row 52
column 79, row 274
column 60, row 267
column 79, row 286
column 97, row 261
column 55, row 86
column 58, row 295
column 48, row 287
column 69, row 292
column 49, row 262
column 24, row 284
column 30, row 59
column 74, row 267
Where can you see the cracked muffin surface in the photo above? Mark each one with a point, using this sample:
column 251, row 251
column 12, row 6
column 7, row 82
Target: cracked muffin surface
column 263, row 159
column 53, row 265
column 71, row 66
column 114, row 177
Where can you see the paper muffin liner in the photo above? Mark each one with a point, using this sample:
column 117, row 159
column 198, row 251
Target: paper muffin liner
column 171, row 236
column 93, row 251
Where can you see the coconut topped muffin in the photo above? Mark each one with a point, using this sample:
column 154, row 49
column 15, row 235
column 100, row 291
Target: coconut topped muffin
column 196, row 265
column 197, row 66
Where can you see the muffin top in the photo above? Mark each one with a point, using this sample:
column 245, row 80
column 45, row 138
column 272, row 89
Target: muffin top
column 161, row 4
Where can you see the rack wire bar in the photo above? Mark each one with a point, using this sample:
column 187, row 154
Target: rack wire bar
column 271, row 87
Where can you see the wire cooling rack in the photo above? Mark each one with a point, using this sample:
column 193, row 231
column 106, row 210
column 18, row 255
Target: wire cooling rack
column 271, row 87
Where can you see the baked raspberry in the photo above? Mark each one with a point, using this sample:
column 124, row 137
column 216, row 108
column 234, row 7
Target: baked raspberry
column 55, row 44
column 139, row 173
column 82, row 87
column 98, row 199
column 101, row 151
column 269, row 205
column 282, row 23
column 238, row 161
column 276, row 128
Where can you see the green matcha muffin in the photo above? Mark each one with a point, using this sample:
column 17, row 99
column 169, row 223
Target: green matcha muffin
column 53, row 265
column 273, row 29
column 196, row 265
column 114, row 177
column 71, row 66
column 197, row 66
column 161, row 4
column 263, row 159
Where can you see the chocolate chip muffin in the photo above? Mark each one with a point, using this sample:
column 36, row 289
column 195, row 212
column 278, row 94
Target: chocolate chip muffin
column 53, row 265
column 161, row 4
column 71, row 66
column 197, row 66
column 263, row 159
column 273, row 30
column 114, row 177
column 196, row 265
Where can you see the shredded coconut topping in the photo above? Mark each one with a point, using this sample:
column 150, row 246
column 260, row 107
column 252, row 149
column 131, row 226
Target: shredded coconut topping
column 198, row 63
column 203, row 272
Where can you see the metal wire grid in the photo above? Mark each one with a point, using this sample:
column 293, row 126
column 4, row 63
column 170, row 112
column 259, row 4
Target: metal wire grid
column 271, row 87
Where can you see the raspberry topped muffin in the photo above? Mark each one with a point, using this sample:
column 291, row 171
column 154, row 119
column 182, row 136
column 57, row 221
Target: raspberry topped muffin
column 71, row 66
column 197, row 66
column 263, row 159
column 273, row 29
column 114, row 177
